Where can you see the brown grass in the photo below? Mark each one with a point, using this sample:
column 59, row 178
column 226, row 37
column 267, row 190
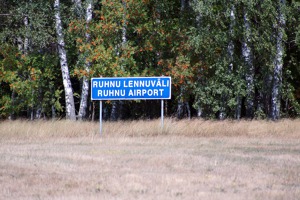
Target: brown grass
column 189, row 128
column 189, row 160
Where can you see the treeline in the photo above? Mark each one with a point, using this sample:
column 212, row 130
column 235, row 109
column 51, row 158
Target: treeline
column 227, row 59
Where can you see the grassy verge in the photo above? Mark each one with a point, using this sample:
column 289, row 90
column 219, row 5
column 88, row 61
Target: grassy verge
column 188, row 128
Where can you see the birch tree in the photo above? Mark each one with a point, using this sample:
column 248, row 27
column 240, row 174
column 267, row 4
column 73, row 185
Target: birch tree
column 78, row 8
column 69, row 98
column 85, row 80
column 116, row 110
column 248, row 60
column 234, row 68
column 278, row 61
column 198, row 26
column 231, row 33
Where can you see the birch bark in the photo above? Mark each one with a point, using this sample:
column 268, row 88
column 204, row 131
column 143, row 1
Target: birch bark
column 78, row 8
column 117, row 106
column 69, row 98
column 278, row 63
column 26, row 39
column 30, row 109
column 231, row 32
column 85, row 81
column 198, row 25
column 23, row 46
column 248, row 60
column 230, row 50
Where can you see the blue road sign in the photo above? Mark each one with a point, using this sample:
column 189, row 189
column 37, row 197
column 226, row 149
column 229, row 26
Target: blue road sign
column 131, row 88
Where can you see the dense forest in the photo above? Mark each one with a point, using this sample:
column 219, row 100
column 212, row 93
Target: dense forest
column 234, row 59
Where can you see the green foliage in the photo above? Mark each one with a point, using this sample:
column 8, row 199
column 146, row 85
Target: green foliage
column 150, row 38
column 220, row 87
column 39, row 30
column 29, row 78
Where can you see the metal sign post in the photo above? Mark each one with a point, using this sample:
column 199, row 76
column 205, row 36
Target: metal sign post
column 162, row 115
column 100, row 117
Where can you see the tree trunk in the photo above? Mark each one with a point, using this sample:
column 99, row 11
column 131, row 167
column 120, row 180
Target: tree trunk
column 85, row 82
column 182, row 5
column 93, row 111
column 278, row 64
column 267, row 93
column 200, row 70
column 114, row 111
column 23, row 47
column 69, row 98
column 53, row 112
column 238, row 108
column 248, row 60
column 26, row 39
column 183, row 110
column 78, row 8
column 12, row 115
column 84, row 98
column 230, row 48
column 222, row 111
column 183, row 107
column 117, row 105
column 231, row 33
column 124, row 26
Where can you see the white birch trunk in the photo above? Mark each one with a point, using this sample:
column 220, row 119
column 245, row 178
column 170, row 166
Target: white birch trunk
column 198, row 25
column 117, row 106
column 182, row 5
column 124, row 28
column 26, row 39
column 278, row 63
column 230, row 50
column 85, row 82
column 30, row 109
column 248, row 59
column 78, row 8
column 124, row 41
column 231, row 59
column 69, row 98
column 21, row 45
column 231, row 32
column 24, row 49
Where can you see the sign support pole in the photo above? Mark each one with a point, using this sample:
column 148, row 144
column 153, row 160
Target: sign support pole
column 100, row 117
column 162, row 115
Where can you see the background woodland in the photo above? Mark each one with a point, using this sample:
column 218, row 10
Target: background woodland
column 235, row 59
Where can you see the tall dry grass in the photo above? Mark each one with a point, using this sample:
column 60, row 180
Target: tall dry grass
column 188, row 128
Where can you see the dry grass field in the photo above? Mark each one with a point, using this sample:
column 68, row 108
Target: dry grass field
column 193, row 159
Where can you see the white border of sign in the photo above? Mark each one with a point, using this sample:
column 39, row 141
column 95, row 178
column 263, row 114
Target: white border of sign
column 138, row 98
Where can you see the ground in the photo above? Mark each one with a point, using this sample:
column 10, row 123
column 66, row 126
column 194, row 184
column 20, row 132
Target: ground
column 150, row 167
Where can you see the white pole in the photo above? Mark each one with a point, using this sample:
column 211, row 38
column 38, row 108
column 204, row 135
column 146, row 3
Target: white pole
column 100, row 117
column 162, row 115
